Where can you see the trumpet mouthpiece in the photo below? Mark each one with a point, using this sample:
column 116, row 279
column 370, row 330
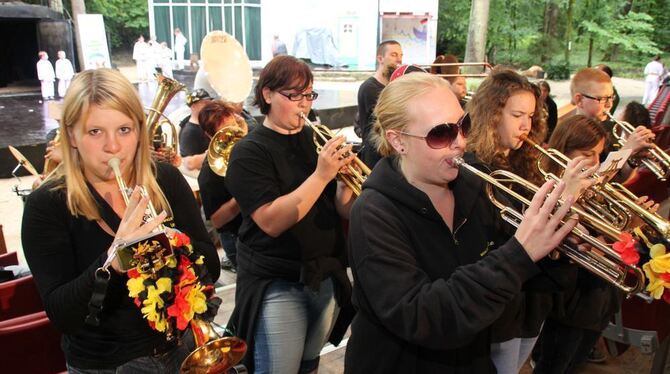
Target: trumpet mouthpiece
column 114, row 163
column 458, row 161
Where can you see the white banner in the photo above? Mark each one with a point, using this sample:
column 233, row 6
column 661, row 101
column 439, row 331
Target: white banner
column 93, row 41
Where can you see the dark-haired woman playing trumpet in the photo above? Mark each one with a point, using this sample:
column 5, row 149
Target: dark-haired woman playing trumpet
column 430, row 275
column 291, row 259
column 72, row 223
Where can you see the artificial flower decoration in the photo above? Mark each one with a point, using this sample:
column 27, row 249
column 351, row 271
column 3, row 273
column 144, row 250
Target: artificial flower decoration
column 171, row 296
column 626, row 247
column 657, row 271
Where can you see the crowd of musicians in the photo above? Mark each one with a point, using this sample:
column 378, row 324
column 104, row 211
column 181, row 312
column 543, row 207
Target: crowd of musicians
column 441, row 283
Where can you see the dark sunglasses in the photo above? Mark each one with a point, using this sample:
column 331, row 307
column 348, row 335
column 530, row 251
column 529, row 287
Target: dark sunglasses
column 310, row 96
column 444, row 134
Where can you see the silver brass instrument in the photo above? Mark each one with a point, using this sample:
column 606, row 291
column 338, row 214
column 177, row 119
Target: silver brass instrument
column 165, row 143
column 601, row 260
column 357, row 171
column 220, row 148
column 611, row 202
column 657, row 161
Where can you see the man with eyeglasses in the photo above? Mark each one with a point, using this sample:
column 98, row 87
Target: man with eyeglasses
column 592, row 92
column 389, row 57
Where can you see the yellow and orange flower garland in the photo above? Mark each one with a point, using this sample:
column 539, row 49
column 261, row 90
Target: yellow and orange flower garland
column 656, row 261
column 174, row 295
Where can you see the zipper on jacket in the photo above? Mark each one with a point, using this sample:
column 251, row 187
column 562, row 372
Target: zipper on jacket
column 458, row 228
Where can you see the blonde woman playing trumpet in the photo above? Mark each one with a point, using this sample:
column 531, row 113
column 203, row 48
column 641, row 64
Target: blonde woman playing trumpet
column 72, row 222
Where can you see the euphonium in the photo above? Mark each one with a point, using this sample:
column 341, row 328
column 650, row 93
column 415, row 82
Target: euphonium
column 220, row 147
column 165, row 143
column 357, row 173
column 611, row 202
column 601, row 260
column 214, row 354
column 657, row 161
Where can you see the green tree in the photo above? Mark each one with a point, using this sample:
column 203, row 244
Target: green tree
column 125, row 20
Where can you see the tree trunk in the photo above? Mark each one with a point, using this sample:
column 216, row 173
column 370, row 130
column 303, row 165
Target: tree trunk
column 475, row 48
column 611, row 54
column 568, row 31
column 78, row 7
column 588, row 63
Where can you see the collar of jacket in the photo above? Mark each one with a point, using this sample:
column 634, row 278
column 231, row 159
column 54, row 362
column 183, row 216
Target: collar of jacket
column 388, row 180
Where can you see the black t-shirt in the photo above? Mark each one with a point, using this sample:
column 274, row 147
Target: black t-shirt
column 213, row 193
column 266, row 165
column 192, row 140
column 552, row 116
column 368, row 94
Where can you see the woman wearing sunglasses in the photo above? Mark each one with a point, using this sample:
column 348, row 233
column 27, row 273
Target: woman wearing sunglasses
column 426, row 283
column 291, row 259
column 505, row 108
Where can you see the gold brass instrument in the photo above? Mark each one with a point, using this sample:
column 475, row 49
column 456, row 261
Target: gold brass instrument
column 611, row 202
column 601, row 260
column 220, row 147
column 214, row 354
column 167, row 143
column 657, row 161
column 357, row 171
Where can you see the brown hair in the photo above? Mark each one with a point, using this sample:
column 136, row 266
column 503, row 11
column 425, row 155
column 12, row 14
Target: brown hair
column 448, row 59
column 485, row 110
column 381, row 48
column 583, row 79
column 575, row 133
column 212, row 114
column 281, row 73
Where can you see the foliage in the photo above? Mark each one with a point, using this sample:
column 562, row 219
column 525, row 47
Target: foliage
column 125, row 20
column 558, row 71
column 631, row 32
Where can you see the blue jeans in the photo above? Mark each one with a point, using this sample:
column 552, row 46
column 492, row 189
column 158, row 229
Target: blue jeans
column 293, row 325
column 228, row 241
column 169, row 362
column 509, row 356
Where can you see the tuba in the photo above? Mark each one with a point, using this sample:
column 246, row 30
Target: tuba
column 602, row 260
column 356, row 173
column 658, row 162
column 164, row 142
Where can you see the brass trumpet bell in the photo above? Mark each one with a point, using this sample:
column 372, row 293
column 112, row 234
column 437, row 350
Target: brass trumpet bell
column 220, row 147
column 214, row 355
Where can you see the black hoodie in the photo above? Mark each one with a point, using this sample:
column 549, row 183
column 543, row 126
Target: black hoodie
column 426, row 296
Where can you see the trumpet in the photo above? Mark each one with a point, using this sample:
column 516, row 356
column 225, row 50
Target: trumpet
column 611, row 202
column 214, row 354
column 658, row 162
column 601, row 260
column 356, row 173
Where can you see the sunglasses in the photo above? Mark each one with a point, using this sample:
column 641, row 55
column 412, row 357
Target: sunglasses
column 442, row 135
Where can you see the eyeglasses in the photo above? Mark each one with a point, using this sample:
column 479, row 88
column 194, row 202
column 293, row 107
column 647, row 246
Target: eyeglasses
column 444, row 134
column 601, row 100
column 310, row 96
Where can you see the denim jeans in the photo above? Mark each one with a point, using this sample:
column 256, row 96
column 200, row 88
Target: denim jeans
column 169, row 362
column 228, row 241
column 293, row 326
column 509, row 356
column 562, row 347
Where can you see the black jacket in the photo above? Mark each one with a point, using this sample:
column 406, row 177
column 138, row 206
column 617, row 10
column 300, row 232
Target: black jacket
column 425, row 297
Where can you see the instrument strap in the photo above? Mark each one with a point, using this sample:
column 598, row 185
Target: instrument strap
column 102, row 276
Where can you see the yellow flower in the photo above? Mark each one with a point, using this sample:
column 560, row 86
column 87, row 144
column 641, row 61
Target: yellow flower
column 135, row 286
column 164, row 284
column 200, row 260
column 661, row 264
column 197, row 300
column 657, row 250
column 172, row 262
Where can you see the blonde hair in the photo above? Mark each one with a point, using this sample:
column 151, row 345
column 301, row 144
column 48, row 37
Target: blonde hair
column 486, row 108
column 582, row 81
column 109, row 89
column 392, row 110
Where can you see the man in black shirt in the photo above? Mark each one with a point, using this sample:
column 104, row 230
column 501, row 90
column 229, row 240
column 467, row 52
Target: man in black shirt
column 550, row 105
column 192, row 140
column 389, row 56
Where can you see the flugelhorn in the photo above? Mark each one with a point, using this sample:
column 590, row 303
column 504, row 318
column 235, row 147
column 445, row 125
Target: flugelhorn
column 611, row 202
column 601, row 260
column 357, row 171
column 657, row 161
